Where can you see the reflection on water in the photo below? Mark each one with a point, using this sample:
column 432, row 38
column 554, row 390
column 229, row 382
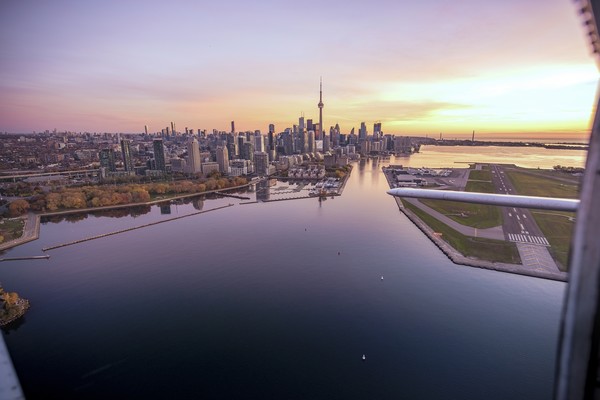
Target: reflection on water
column 111, row 213
column 461, row 156
column 276, row 300
column 14, row 326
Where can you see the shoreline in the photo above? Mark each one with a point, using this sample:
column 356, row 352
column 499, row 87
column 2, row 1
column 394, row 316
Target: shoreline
column 33, row 233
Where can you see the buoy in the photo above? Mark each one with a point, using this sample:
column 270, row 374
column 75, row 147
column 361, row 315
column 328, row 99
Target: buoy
column 338, row 253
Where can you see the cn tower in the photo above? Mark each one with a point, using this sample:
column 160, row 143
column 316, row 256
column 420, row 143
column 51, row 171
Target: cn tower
column 320, row 136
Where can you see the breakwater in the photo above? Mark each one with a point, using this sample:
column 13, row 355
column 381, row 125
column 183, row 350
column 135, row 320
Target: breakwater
column 235, row 196
column 288, row 198
column 45, row 257
column 131, row 229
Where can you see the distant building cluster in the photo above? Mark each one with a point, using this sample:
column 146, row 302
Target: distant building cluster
column 201, row 153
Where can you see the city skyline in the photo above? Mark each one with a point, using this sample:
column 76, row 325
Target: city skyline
column 515, row 67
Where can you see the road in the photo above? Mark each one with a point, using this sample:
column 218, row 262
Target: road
column 520, row 227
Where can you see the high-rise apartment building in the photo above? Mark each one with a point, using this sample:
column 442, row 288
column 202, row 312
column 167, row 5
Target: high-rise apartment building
column 248, row 151
column 271, row 140
column 287, row 142
column 126, row 154
column 107, row 159
column 223, row 159
column 240, row 145
column 259, row 142
column 312, row 145
column 326, row 144
column 194, row 164
column 261, row 163
column 159, row 155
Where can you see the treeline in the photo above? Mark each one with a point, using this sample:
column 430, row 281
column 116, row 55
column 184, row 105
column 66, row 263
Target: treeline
column 110, row 195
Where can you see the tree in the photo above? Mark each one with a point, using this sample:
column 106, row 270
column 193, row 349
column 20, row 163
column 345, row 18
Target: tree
column 18, row 207
column 53, row 201
column 214, row 174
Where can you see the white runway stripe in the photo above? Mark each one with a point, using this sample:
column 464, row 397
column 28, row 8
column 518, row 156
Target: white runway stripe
column 515, row 237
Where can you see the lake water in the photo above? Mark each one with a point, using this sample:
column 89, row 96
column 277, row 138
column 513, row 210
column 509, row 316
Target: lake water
column 277, row 300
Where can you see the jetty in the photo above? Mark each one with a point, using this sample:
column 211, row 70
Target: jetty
column 235, row 196
column 44, row 257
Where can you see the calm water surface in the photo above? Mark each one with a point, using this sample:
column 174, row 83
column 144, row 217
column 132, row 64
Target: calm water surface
column 254, row 301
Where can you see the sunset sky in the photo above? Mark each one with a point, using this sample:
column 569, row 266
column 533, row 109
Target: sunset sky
column 513, row 67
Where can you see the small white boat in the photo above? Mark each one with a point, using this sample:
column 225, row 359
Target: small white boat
column 381, row 277
column 364, row 357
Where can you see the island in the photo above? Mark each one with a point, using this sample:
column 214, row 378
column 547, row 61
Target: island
column 530, row 242
column 12, row 307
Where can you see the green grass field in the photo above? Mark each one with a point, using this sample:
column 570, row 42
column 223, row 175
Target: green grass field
column 557, row 227
column 478, row 216
column 11, row 229
column 528, row 183
column 484, row 249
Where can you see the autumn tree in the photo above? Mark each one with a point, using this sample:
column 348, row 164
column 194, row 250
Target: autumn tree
column 18, row 207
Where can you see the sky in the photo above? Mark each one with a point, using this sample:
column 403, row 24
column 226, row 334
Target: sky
column 512, row 67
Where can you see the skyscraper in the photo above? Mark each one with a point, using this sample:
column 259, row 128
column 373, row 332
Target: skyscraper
column 248, row 151
column 240, row 145
column 159, row 155
column 193, row 161
column 232, row 126
column 126, row 153
column 223, row 159
column 320, row 105
column 376, row 130
column 312, row 146
column 271, row 142
column 259, row 142
column 362, row 132
column 146, row 129
column 261, row 161
column 271, row 137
